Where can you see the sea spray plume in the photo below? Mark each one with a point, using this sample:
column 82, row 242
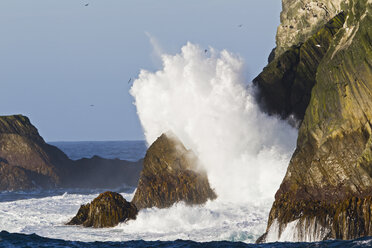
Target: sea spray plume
column 203, row 100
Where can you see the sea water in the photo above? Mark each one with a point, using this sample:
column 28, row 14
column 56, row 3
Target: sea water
column 37, row 218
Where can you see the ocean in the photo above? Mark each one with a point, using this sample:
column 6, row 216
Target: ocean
column 36, row 218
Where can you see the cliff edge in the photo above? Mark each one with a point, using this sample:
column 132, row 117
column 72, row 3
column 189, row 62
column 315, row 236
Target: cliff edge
column 327, row 190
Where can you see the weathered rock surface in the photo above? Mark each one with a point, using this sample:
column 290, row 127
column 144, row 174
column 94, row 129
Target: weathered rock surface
column 107, row 210
column 27, row 162
column 300, row 19
column 170, row 174
column 327, row 190
column 285, row 84
column 23, row 147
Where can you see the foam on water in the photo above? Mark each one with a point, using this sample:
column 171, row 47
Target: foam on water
column 204, row 100
column 213, row 221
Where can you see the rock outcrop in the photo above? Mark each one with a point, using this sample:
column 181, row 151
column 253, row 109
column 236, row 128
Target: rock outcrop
column 285, row 84
column 327, row 190
column 107, row 210
column 27, row 162
column 300, row 19
column 170, row 174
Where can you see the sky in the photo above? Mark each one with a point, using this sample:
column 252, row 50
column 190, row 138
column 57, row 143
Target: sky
column 66, row 65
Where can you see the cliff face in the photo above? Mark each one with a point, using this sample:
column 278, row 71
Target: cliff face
column 327, row 190
column 300, row 19
column 170, row 175
column 27, row 162
column 285, row 84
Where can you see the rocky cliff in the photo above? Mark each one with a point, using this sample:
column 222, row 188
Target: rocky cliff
column 170, row 174
column 300, row 19
column 27, row 162
column 327, row 190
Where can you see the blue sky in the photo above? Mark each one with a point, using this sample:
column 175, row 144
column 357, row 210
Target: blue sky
column 57, row 58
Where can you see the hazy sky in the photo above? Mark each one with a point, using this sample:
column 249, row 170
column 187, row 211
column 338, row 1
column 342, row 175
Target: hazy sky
column 57, row 58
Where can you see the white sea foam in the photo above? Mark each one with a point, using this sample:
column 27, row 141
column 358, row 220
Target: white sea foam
column 213, row 221
column 204, row 100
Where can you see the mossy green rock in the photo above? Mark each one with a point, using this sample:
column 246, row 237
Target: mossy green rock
column 328, row 184
column 170, row 174
column 107, row 210
column 285, row 84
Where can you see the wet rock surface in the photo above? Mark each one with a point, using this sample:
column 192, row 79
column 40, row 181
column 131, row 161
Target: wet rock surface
column 170, row 174
column 107, row 210
column 326, row 192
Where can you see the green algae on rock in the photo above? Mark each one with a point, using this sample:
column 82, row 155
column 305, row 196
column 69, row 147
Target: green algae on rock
column 285, row 84
column 327, row 190
column 107, row 210
column 170, row 174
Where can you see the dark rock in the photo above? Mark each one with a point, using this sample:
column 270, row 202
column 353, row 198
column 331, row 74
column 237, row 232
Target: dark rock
column 107, row 210
column 327, row 189
column 97, row 172
column 285, row 84
column 28, row 162
column 170, row 174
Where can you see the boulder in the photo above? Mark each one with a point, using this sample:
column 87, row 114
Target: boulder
column 107, row 210
column 171, row 174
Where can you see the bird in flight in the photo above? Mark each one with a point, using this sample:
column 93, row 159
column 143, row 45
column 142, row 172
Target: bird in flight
column 92, row 105
column 318, row 45
column 86, row 4
column 205, row 51
column 240, row 25
column 130, row 79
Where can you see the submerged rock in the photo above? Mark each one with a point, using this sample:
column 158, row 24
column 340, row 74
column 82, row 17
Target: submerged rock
column 170, row 174
column 327, row 190
column 107, row 210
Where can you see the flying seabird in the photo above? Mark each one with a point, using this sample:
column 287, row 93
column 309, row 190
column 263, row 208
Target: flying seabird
column 130, row 79
column 240, row 25
column 86, row 4
column 92, row 105
column 205, row 51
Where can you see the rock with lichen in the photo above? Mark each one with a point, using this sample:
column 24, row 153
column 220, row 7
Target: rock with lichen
column 327, row 190
column 107, row 210
column 171, row 174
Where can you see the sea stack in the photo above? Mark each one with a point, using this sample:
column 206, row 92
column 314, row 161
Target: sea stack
column 327, row 190
column 171, row 174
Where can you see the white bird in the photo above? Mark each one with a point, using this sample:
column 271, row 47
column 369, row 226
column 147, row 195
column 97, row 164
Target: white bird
column 318, row 45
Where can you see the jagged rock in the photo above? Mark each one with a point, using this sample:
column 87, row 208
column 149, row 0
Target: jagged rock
column 170, row 174
column 28, row 162
column 107, row 210
column 285, row 84
column 300, row 19
column 22, row 146
column 327, row 190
